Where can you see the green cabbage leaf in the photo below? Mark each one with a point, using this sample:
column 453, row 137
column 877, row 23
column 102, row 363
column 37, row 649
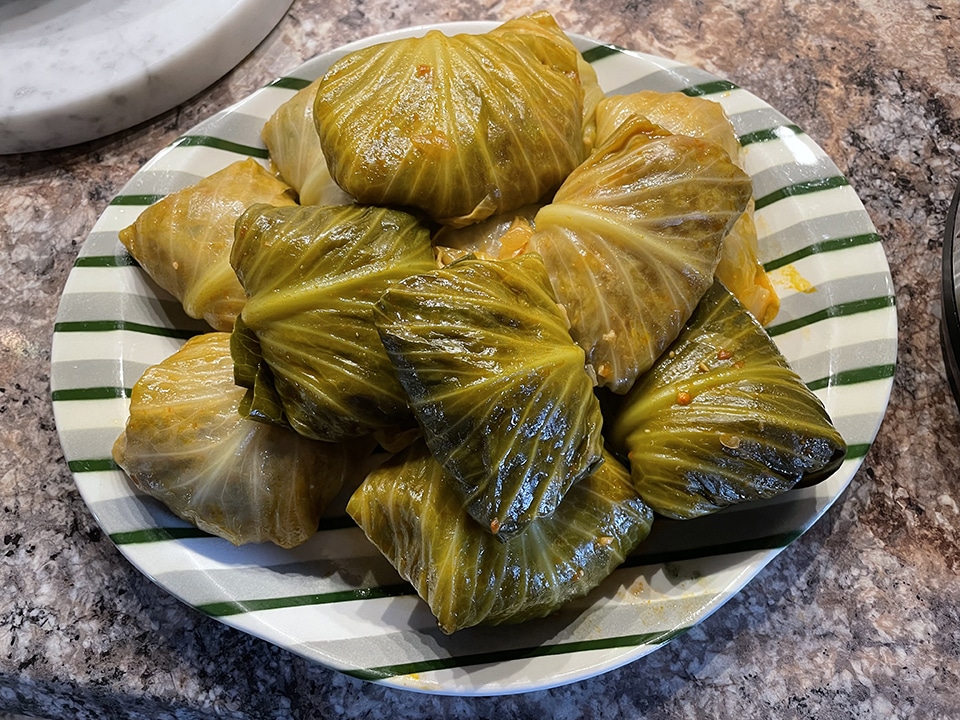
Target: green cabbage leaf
column 721, row 418
column 739, row 269
column 632, row 239
column 186, row 444
column 410, row 510
column 312, row 275
column 497, row 383
column 290, row 135
column 461, row 127
column 183, row 241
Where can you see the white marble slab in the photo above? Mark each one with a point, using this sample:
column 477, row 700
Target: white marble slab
column 76, row 70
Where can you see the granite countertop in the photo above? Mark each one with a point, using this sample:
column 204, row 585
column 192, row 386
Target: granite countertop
column 858, row 618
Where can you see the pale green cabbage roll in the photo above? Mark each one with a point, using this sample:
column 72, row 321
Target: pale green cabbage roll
column 739, row 269
column 291, row 137
column 183, row 241
column 186, row 444
column 460, row 127
column 632, row 239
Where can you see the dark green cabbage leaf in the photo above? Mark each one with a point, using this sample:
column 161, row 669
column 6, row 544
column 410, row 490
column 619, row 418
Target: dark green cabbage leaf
column 312, row 275
column 410, row 510
column 497, row 383
column 631, row 241
column 461, row 127
column 721, row 418
column 186, row 444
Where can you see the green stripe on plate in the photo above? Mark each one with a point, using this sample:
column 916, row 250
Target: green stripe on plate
column 136, row 537
column 221, row 144
column 608, row 643
column 105, row 261
column 239, row 607
column 127, row 200
column 290, row 83
column 801, row 188
column 855, row 376
column 92, row 465
column 769, row 134
column 767, row 542
column 113, row 325
column 710, row 88
column 90, row 393
column 160, row 534
column 822, row 247
column 842, row 310
column 600, row 52
column 859, row 450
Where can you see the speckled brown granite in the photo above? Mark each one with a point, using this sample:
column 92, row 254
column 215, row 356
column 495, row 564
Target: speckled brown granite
column 859, row 618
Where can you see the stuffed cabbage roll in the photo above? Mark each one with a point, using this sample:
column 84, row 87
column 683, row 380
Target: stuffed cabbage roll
column 461, row 127
column 409, row 509
column 183, row 241
column 721, row 418
column 497, row 383
column 186, row 445
column 312, row 275
column 739, row 269
column 291, row 137
column 631, row 241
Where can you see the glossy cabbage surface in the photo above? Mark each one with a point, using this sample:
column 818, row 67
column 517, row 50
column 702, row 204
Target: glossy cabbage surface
column 632, row 239
column 676, row 112
column 497, row 383
column 739, row 269
column 183, row 241
column 721, row 418
column 460, row 127
column 313, row 275
column 410, row 510
column 186, row 444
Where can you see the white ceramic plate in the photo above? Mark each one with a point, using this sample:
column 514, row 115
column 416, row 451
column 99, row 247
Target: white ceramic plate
column 335, row 600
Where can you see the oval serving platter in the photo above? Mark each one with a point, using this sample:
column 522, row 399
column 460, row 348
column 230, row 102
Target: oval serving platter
column 335, row 600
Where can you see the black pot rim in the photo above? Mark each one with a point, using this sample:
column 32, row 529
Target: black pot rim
column 950, row 300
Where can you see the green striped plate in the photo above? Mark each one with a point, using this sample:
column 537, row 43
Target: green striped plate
column 335, row 600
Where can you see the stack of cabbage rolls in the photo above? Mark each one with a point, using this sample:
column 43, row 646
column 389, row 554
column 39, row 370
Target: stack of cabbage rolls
column 540, row 306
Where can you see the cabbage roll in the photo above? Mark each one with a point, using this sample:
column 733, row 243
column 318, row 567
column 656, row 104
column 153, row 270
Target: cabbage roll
column 739, row 269
column 631, row 241
column 186, row 444
column 183, row 241
column 312, row 275
column 291, row 137
column 460, row 127
column 497, row 383
column 721, row 418
column 409, row 509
